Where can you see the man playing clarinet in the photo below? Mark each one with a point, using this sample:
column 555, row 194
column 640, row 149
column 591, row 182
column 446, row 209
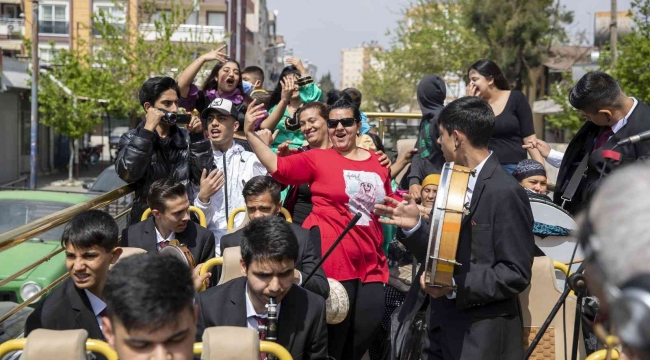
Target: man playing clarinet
column 269, row 253
column 479, row 317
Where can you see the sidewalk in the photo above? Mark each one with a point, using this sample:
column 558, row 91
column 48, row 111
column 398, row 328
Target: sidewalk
column 56, row 181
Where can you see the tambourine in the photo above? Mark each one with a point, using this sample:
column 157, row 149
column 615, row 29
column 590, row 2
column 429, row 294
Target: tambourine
column 175, row 248
column 337, row 304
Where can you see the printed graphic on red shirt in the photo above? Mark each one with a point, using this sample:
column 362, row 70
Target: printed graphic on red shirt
column 365, row 189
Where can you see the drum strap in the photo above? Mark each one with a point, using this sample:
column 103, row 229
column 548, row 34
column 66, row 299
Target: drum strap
column 571, row 189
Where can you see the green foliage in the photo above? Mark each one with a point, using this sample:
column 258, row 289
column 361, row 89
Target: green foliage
column 517, row 34
column 113, row 65
column 326, row 84
column 385, row 86
column 632, row 69
column 570, row 118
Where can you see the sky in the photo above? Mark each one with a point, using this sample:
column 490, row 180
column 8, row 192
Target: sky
column 319, row 29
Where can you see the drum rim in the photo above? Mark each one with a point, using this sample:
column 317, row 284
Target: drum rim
column 546, row 202
column 176, row 250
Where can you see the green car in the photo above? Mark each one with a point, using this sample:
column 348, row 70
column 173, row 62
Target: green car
column 19, row 207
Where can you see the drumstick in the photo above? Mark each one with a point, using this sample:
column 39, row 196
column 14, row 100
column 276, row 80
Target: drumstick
column 351, row 224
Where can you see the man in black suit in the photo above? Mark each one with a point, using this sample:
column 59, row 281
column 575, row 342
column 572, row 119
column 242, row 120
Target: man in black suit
column 479, row 317
column 262, row 196
column 171, row 220
column 90, row 241
column 269, row 253
column 611, row 116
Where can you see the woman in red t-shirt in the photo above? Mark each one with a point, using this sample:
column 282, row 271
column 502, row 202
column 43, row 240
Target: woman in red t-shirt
column 343, row 180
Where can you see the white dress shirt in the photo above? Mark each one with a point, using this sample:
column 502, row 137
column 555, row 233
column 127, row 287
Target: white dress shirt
column 468, row 200
column 160, row 238
column 251, row 322
column 98, row 306
column 555, row 157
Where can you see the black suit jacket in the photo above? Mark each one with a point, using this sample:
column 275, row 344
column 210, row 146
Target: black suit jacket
column 308, row 256
column 67, row 308
column 199, row 241
column 302, row 329
column 496, row 247
column 582, row 142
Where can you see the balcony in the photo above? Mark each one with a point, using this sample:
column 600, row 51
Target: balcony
column 187, row 33
column 49, row 27
column 12, row 28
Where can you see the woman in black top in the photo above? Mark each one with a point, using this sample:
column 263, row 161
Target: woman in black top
column 514, row 117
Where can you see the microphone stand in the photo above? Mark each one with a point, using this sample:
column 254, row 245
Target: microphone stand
column 351, row 224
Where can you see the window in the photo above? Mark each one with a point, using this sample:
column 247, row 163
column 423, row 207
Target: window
column 47, row 54
column 53, row 19
column 113, row 14
column 216, row 19
column 192, row 18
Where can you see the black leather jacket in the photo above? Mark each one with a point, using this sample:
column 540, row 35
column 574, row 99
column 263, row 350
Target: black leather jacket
column 143, row 157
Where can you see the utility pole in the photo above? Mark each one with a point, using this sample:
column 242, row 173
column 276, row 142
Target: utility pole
column 33, row 152
column 613, row 33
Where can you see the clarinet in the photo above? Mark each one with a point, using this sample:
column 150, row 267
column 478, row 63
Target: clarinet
column 272, row 326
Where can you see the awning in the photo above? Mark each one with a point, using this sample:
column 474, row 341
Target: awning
column 16, row 80
column 546, row 107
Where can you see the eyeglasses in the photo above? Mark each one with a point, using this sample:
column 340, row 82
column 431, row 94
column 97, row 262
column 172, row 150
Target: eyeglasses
column 347, row 122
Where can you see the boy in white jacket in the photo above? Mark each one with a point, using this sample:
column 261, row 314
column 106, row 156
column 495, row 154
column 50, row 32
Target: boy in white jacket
column 236, row 167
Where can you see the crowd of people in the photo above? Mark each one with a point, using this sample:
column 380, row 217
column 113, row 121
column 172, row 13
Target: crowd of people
column 321, row 161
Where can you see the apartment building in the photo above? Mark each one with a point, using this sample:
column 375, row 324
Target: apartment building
column 354, row 62
column 62, row 22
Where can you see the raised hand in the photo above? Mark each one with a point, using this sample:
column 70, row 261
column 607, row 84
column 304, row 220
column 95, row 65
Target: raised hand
column 542, row 146
column 216, row 54
column 288, row 87
column 267, row 136
column 153, row 118
column 298, row 64
column 404, row 214
column 285, row 150
column 254, row 113
column 415, row 191
column 383, row 159
column 408, row 156
column 210, row 184
column 472, row 90
column 195, row 125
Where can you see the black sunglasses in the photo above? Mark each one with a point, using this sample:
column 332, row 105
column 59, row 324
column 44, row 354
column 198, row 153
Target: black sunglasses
column 347, row 122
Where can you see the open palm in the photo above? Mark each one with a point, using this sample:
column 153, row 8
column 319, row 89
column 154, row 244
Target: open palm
column 404, row 214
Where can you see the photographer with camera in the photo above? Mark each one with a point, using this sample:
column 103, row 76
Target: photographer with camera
column 157, row 148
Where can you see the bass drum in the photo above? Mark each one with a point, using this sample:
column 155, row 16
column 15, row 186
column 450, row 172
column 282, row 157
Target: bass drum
column 337, row 304
column 558, row 248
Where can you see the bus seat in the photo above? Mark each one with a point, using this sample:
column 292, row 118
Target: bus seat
column 230, row 343
column 55, row 344
column 230, row 268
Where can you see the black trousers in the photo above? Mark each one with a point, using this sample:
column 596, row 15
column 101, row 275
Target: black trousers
column 350, row 339
column 468, row 338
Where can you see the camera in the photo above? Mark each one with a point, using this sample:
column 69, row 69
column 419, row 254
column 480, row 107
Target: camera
column 180, row 118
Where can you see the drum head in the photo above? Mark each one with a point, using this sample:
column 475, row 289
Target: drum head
column 337, row 304
column 177, row 252
column 546, row 212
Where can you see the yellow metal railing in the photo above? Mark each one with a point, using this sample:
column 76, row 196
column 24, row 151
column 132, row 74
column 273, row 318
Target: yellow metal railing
column 25, row 232
column 382, row 117
column 95, row 346
column 265, row 347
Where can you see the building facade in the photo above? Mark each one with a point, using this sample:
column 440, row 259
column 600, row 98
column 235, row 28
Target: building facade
column 354, row 62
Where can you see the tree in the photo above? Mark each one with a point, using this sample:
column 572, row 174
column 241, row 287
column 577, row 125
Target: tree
column 113, row 66
column 517, row 34
column 384, row 86
column 433, row 39
column 326, row 84
column 632, row 69
column 570, row 118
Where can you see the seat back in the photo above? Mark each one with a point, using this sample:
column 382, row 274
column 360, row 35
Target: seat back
column 231, row 228
column 128, row 251
column 537, row 301
column 403, row 146
column 230, row 343
column 55, row 344
column 230, row 268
